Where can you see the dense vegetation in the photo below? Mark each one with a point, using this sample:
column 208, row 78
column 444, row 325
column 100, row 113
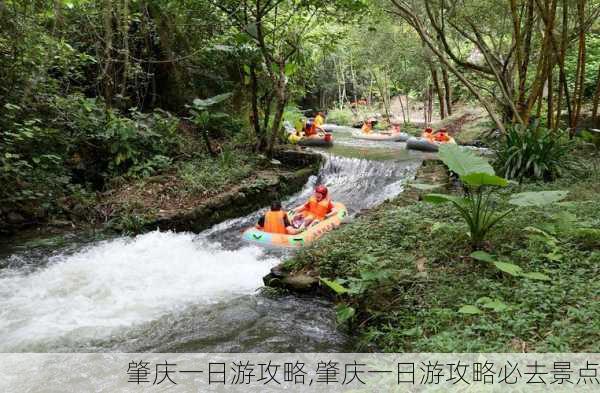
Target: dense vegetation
column 406, row 277
column 94, row 93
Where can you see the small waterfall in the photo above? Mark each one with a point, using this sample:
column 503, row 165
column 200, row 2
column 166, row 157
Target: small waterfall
column 107, row 291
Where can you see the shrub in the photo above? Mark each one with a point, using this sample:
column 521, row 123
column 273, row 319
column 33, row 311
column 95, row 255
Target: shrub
column 341, row 117
column 534, row 152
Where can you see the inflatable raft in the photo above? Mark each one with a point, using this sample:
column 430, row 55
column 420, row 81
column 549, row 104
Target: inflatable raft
column 424, row 144
column 382, row 136
column 313, row 232
column 317, row 140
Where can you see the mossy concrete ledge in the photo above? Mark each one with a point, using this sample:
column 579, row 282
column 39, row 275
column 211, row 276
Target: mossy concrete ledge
column 268, row 185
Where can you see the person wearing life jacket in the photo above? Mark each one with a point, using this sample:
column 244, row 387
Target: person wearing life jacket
column 367, row 126
column 428, row 134
column 320, row 120
column 318, row 207
column 441, row 136
column 276, row 221
column 310, row 128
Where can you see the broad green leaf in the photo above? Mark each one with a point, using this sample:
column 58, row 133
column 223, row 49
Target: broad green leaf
column 536, row 276
column 202, row 104
column 425, row 187
column 496, row 305
column 538, row 198
column 443, row 198
column 509, row 268
column 469, row 309
column 290, row 69
column 484, row 179
column 484, row 299
column 344, row 313
column 463, row 162
column 334, row 286
column 483, row 256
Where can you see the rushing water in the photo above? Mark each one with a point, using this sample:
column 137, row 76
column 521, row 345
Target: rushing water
column 166, row 292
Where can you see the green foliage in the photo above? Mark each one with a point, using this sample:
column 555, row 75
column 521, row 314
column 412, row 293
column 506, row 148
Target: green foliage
column 534, row 153
column 592, row 137
column 464, row 162
column 477, row 206
column 423, row 247
column 508, row 267
column 343, row 117
column 209, row 175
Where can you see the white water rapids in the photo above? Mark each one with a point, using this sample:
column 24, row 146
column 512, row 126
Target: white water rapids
column 114, row 286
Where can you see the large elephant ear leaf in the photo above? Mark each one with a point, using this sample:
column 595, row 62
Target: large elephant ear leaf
column 484, row 179
column 538, row 198
column 443, row 198
column 463, row 162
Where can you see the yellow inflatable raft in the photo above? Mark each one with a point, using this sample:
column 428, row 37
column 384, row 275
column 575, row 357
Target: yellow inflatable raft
column 313, row 232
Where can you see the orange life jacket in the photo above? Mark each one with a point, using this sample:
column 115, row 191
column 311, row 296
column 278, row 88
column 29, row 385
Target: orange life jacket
column 441, row 137
column 274, row 222
column 318, row 209
column 366, row 128
column 310, row 129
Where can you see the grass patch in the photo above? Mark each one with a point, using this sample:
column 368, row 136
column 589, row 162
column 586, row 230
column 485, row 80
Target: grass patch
column 409, row 272
column 210, row 175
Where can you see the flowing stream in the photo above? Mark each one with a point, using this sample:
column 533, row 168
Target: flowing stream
column 184, row 292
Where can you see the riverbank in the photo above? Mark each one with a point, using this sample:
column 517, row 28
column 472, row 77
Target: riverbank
column 190, row 195
column 407, row 275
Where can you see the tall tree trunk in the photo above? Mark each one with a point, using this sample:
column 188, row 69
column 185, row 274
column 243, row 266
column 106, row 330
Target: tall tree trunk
column 255, row 115
column 550, row 95
column 280, row 102
column 596, row 100
column 447, row 91
column 438, row 89
column 415, row 21
column 125, row 33
column 580, row 73
column 402, row 109
column 523, row 48
column 58, row 16
column 562, row 80
column 107, row 73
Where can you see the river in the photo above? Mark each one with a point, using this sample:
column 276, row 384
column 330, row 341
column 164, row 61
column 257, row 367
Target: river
column 184, row 292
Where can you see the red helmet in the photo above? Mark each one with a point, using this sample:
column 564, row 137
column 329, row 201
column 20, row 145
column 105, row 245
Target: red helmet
column 321, row 189
column 429, row 129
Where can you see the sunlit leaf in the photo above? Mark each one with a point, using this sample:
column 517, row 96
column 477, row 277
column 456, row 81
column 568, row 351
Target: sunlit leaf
column 484, row 179
column 483, row 256
column 496, row 305
column 539, row 198
column 536, row 276
column 443, row 198
column 469, row 309
column 463, row 162
column 509, row 268
column 334, row 286
column 344, row 313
